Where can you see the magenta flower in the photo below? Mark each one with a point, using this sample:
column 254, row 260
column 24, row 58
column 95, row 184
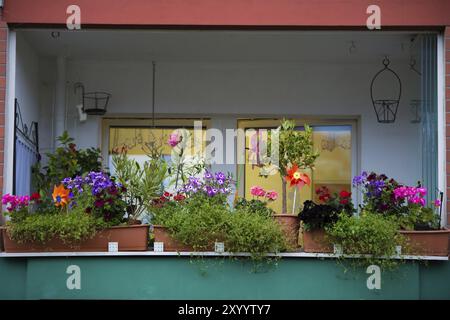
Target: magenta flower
column 257, row 191
column 15, row 202
column 412, row 195
column 174, row 139
column 272, row 195
column 437, row 203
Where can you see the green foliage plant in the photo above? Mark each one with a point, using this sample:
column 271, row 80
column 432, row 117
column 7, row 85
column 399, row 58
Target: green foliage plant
column 71, row 228
column 254, row 206
column 65, row 161
column 256, row 234
column 143, row 183
column 199, row 221
column 371, row 236
column 294, row 147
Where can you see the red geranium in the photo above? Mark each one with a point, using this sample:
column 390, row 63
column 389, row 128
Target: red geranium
column 35, row 196
column 179, row 197
column 345, row 194
column 344, row 197
column 324, row 194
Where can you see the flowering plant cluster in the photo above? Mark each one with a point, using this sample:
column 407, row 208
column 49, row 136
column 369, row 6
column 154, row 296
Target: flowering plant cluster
column 211, row 185
column 326, row 212
column 378, row 191
column 412, row 195
column 257, row 191
column 258, row 205
column 19, row 206
column 17, row 203
column 340, row 201
column 167, row 197
column 97, row 193
column 388, row 197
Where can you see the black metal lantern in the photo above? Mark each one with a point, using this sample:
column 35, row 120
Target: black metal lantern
column 386, row 108
column 94, row 103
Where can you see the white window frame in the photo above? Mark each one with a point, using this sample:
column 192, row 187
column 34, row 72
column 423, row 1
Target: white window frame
column 442, row 168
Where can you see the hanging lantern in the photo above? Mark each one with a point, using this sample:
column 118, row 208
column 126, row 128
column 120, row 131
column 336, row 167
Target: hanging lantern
column 386, row 106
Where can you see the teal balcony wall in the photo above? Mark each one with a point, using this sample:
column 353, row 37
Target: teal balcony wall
column 214, row 278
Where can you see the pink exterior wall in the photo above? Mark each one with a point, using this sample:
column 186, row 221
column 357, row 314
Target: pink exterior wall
column 260, row 13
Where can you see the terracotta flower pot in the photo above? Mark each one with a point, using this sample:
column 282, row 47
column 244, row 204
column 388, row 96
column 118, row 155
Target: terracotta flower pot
column 315, row 241
column 290, row 225
column 162, row 234
column 430, row 242
column 129, row 238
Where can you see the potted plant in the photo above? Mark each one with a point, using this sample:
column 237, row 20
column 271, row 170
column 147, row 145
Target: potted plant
column 88, row 208
column 316, row 217
column 66, row 161
column 419, row 223
column 372, row 237
column 88, row 213
column 296, row 153
column 193, row 201
column 142, row 182
column 163, row 209
column 199, row 215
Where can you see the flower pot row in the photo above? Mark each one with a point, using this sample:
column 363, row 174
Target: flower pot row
column 135, row 238
column 128, row 238
column 429, row 243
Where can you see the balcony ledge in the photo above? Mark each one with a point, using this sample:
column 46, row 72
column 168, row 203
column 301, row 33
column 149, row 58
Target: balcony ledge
column 203, row 254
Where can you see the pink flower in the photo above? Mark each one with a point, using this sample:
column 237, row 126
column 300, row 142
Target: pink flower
column 257, row 191
column 422, row 191
column 174, row 139
column 437, row 203
column 272, row 195
column 15, row 202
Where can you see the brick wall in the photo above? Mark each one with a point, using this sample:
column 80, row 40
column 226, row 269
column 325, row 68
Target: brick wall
column 447, row 99
column 3, row 46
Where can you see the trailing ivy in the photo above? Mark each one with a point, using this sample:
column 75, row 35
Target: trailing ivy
column 371, row 236
column 199, row 221
column 70, row 228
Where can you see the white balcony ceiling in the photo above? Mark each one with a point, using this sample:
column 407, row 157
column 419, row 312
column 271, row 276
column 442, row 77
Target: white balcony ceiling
column 238, row 46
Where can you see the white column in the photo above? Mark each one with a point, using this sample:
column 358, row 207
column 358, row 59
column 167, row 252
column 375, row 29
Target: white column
column 8, row 177
column 60, row 98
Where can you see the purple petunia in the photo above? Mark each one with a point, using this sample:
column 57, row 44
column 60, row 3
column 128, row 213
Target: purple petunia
column 210, row 185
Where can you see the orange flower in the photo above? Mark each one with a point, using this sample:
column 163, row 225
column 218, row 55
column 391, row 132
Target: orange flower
column 297, row 178
column 60, row 195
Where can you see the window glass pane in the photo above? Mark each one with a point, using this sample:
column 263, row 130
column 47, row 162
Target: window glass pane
column 137, row 140
column 333, row 166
